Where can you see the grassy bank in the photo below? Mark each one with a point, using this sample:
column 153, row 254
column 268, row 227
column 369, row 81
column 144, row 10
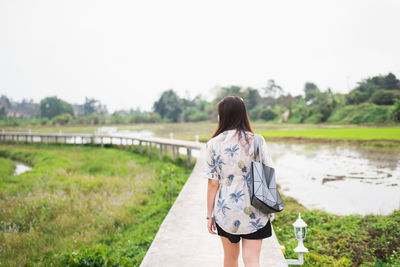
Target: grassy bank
column 333, row 240
column 363, row 113
column 7, row 167
column 82, row 206
column 369, row 136
column 392, row 133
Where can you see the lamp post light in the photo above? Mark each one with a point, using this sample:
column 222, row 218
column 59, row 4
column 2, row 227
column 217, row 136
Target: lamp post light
column 300, row 229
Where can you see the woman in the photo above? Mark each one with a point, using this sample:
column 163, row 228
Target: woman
column 229, row 154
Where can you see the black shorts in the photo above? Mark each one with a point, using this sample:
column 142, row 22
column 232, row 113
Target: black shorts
column 261, row 233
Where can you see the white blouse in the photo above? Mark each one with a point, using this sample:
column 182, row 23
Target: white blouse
column 228, row 160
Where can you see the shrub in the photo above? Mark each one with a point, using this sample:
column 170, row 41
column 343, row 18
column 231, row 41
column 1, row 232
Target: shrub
column 383, row 97
column 357, row 97
column 314, row 118
column 254, row 113
column 62, row 119
column 117, row 119
column 100, row 255
column 364, row 113
column 268, row 115
column 148, row 117
column 396, row 110
column 193, row 115
column 44, row 121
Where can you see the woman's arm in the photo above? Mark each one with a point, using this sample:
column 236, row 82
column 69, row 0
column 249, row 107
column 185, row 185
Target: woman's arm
column 211, row 193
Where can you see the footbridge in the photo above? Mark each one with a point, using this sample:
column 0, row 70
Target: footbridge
column 182, row 239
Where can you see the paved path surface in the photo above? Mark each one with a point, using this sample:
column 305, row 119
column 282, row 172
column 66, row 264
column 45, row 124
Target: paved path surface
column 183, row 239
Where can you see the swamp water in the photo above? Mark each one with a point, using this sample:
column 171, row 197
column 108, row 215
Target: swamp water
column 21, row 168
column 339, row 179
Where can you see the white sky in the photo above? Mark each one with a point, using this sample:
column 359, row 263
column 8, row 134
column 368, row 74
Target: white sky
column 125, row 53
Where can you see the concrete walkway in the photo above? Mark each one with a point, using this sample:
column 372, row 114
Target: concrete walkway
column 183, row 239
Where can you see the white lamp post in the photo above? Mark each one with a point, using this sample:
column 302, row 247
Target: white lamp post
column 300, row 229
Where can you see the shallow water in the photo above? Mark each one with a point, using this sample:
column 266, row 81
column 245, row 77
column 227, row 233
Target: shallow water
column 339, row 179
column 21, row 168
column 124, row 133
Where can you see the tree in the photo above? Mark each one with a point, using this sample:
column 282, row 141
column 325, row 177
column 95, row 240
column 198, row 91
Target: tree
column 91, row 106
column 310, row 90
column 391, row 82
column 299, row 110
column 3, row 113
column 5, row 102
column 267, row 115
column 325, row 104
column 357, row 97
column 252, row 97
column 385, row 82
column 367, row 87
column 383, row 97
column 116, row 118
column 272, row 89
column 226, row 91
column 53, row 106
column 286, row 100
column 255, row 113
column 200, row 103
column 193, row 114
column 62, row 119
column 396, row 110
column 169, row 106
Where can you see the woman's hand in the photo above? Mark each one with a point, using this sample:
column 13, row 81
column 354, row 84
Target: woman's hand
column 212, row 189
column 211, row 226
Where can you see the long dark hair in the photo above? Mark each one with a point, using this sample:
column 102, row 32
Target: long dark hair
column 233, row 115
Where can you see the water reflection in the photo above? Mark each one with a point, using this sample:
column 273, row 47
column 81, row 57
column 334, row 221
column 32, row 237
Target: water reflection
column 123, row 133
column 21, row 168
column 339, row 179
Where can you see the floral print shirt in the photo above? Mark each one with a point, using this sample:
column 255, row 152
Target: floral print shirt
column 228, row 160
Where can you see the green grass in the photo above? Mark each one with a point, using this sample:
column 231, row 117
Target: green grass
column 392, row 133
column 7, row 168
column 82, row 206
column 363, row 113
column 333, row 240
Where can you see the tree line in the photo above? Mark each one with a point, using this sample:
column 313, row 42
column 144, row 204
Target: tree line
column 377, row 97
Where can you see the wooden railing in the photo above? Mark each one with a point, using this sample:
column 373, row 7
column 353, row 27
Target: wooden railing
column 151, row 143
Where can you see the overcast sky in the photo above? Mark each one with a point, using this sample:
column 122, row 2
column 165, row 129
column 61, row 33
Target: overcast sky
column 125, row 53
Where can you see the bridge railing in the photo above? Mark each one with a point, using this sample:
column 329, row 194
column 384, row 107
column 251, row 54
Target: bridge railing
column 151, row 143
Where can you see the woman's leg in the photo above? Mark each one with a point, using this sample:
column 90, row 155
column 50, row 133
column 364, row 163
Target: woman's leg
column 251, row 249
column 231, row 252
